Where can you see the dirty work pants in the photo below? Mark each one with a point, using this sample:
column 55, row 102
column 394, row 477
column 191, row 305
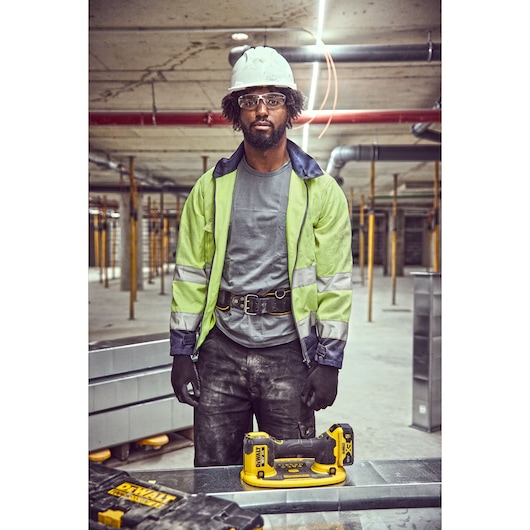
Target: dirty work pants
column 238, row 383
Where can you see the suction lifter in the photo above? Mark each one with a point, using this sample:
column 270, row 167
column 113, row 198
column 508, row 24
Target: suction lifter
column 297, row 463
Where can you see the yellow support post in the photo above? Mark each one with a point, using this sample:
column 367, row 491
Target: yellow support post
column 394, row 240
column 113, row 249
column 351, row 219
column 371, row 230
column 436, row 207
column 133, row 214
column 361, row 240
column 96, row 243
column 104, row 259
column 161, row 250
column 156, row 235
column 150, row 242
column 166, row 244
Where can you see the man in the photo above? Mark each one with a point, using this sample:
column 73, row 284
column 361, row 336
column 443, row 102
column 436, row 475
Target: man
column 262, row 284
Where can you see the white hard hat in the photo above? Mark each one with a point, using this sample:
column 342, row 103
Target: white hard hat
column 261, row 66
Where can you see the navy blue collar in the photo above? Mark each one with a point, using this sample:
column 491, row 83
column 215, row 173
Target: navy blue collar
column 303, row 164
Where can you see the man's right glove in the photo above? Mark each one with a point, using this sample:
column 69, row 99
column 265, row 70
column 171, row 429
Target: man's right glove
column 184, row 373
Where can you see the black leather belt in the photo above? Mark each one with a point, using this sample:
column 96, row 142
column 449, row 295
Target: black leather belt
column 252, row 304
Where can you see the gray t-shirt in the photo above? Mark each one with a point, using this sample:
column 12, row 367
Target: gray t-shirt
column 256, row 255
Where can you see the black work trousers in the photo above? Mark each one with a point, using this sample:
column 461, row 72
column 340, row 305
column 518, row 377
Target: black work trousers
column 239, row 383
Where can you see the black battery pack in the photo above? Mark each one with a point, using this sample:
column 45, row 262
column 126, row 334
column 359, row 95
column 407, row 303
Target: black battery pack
column 116, row 500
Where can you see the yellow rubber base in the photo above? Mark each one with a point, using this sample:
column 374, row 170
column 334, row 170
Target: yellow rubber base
column 298, row 473
column 99, row 456
column 154, row 441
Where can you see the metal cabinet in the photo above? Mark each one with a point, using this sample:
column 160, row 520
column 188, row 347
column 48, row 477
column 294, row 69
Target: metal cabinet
column 427, row 352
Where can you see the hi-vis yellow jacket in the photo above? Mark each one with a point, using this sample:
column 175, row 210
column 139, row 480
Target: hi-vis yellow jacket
column 318, row 249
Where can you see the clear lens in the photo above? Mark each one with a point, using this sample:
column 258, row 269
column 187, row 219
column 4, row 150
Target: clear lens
column 271, row 100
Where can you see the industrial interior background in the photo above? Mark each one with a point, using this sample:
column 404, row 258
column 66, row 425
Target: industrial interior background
column 164, row 74
column 157, row 76
column 372, row 75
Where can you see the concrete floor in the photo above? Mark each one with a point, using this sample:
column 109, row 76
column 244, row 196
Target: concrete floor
column 375, row 383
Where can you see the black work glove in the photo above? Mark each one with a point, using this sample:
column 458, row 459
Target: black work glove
column 320, row 389
column 184, row 373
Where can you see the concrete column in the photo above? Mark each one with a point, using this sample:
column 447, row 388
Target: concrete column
column 400, row 241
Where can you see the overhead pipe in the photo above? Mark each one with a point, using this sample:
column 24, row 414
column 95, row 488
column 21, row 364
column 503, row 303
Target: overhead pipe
column 353, row 53
column 385, row 153
column 114, row 166
column 175, row 189
column 212, row 119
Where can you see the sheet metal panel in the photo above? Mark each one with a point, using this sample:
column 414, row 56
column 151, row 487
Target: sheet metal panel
column 127, row 389
column 119, row 357
column 375, row 495
column 127, row 424
column 130, row 393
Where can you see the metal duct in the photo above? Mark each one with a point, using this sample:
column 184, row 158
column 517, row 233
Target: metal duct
column 385, row 153
column 104, row 162
column 354, row 53
column 422, row 130
column 211, row 119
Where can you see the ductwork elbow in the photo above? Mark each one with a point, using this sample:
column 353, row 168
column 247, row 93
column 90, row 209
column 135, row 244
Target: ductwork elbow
column 385, row 153
column 339, row 156
column 423, row 130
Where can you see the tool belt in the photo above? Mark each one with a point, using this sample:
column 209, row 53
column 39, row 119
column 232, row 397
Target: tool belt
column 252, row 304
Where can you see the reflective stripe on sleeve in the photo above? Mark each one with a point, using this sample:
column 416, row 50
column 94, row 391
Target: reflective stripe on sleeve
column 305, row 325
column 303, row 277
column 341, row 281
column 189, row 274
column 186, row 321
column 332, row 329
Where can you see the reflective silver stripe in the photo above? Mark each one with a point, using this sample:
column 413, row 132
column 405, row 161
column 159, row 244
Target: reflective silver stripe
column 341, row 281
column 189, row 274
column 305, row 325
column 305, row 276
column 332, row 329
column 185, row 321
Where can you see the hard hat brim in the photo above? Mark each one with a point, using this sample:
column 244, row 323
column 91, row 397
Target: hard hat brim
column 237, row 88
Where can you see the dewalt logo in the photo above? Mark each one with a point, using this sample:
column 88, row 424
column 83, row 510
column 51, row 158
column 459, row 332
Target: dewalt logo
column 260, row 456
column 142, row 495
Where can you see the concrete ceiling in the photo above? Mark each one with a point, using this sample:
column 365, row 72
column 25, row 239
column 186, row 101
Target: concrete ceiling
column 158, row 61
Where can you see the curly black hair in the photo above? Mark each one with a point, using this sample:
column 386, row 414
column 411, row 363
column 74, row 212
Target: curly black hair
column 294, row 101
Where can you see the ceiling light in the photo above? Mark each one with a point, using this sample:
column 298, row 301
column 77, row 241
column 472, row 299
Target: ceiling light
column 239, row 36
column 314, row 79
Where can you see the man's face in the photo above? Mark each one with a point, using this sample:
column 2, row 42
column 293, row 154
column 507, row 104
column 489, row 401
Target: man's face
column 263, row 127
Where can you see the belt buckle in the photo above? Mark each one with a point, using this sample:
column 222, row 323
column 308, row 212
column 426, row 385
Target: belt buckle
column 246, row 304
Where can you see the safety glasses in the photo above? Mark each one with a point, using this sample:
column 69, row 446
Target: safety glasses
column 271, row 100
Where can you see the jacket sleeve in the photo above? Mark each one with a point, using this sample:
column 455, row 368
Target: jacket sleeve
column 334, row 275
column 190, row 275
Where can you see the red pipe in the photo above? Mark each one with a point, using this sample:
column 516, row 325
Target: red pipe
column 215, row 118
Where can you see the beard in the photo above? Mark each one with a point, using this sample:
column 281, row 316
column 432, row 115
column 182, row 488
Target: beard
column 264, row 139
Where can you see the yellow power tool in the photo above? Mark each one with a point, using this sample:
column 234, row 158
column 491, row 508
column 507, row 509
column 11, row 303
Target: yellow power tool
column 297, row 463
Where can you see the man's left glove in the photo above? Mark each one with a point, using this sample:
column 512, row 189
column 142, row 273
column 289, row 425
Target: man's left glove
column 320, row 389
column 184, row 373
